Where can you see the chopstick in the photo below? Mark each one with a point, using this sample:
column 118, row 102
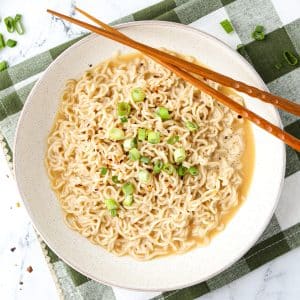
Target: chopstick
column 169, row 62
column 278, row 101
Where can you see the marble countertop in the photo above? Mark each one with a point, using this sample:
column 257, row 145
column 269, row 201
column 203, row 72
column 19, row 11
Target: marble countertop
column 19, row 247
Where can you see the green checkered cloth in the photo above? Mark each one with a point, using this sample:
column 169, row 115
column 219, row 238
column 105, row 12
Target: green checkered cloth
column 283, row 34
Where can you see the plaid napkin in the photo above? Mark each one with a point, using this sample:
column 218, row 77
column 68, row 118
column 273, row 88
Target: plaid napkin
column 282, row 25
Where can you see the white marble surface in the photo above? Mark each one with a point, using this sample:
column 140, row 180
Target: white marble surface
column 279, row 279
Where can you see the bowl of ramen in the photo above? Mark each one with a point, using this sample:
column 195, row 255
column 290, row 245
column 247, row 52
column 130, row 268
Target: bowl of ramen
column 136, row 178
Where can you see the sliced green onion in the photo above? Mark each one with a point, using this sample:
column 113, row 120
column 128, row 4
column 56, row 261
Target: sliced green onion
column 173, row 139
column 11, row 43
column 18, row 24
column 193, row 171
column 144, row 176
column 103, row 171
column 142, row 134
column 191, row 126
column 258, row 33
column 163, row 113
column 123, row 109
column 123, row 119
column 259, row 28
column 145, row 159
column 10, row 24
column 278, row 66
column 128, row 188
column 179, row 155
column 115, row 179
column 134, row 154
column 2, row 43
column 158, row 166
column 227, row 26
column 113, row 212
column 116, row 134
column 153, row 137
column 129, row 144
column 138, row 95
column 290, row 58
column 168, row 168
column 181, row 170
column 3, row 65
column 111, row 203
column 258, row 36
column 128, row 200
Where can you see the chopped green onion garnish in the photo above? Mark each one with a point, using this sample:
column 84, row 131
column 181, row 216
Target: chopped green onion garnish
column 103, row 171
column 290, row 58
column 163, row 113
column 10, row 24
column 258, row 36
column 144, row 176
column 134, row 154
column 113, row 212
column 128, row 200
column 227, row 26
column 278, row 66
column 142, row 134
column 258, row 33
column 138, row 95
column 129, row 144
column 111, row 204
column 18, row 24
column 116, row 134
column 168, row 168
column 115, row 179
column 179, row 155
column 158, row 166
column 11, row 43
column 193, row 171
column 128, row 188
column 123, row 119
column 145, row 159
column 153, row 137
column 3, row 65
column 181, row 170
column 2, row 43
column 173, row 139
column 123, row 109
column 259, row 28
column 191, row 126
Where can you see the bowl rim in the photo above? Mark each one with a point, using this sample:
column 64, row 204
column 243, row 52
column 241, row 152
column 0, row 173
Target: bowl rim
column 238, row 57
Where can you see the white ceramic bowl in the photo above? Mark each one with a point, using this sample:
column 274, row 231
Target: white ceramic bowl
column 165, row 273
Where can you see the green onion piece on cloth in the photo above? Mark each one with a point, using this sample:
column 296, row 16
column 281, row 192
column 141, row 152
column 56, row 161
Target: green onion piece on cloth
column 3, row 65
column 227, row 26
column 258, row 33
column 290, row 58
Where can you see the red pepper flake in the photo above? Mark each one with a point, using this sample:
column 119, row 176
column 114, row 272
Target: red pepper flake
column 29, row 269
column 12, row 249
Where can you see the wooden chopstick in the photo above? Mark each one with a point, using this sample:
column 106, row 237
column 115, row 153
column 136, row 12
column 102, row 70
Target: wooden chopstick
column 252, row 91
column 162, row 58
